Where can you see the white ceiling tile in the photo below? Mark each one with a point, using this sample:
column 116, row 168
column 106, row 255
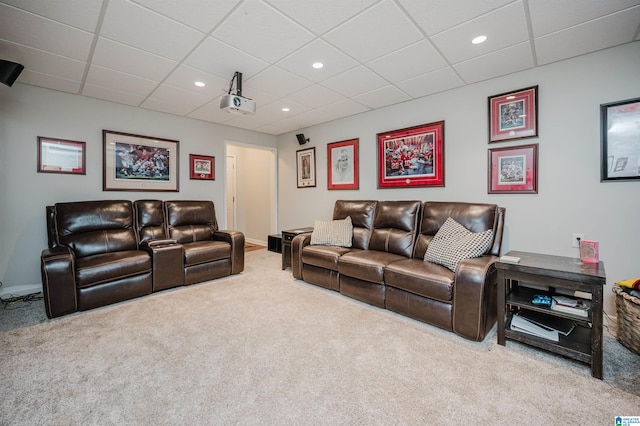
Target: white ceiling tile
column 552, row 15
column 119, row 57
column 212, row 112
column 321, row 16
column 143, row 29
column 49, row 81
column 42, row 62
column 367, row 36
column 278, row 82
column 40, row 33
column 106, row 78
column 184, row 77
column 382, row 97
column 594, row 35
column 127, row 98
column 334, row 61
column 218, row 58
column 316, row 96
column 355, row 81
column 435, row 16
column 512, row 59
column 202, row 15
column 343, row 108
column 416, row 59
column 262, row 32
column 174, row 100
column 82, row 14
column 430, row 83
column 503, row 27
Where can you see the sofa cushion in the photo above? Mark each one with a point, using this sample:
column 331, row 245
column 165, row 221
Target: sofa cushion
column 366, row 265
column 323, row 256
column 332, row 232
column 105, row 267
column 453, row 243
column 205, row 251
column 425, row 279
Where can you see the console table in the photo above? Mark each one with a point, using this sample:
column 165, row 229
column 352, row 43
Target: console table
column 584, row 343
column 287, row 237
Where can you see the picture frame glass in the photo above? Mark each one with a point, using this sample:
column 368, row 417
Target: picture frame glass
column 306, row 167
column 513, row 115
column 513, row 170
column 412, row 157
column 139, row 163
column 342, row 165
column 620, row 140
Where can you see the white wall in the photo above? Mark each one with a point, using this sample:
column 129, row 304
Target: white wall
column 27, row 112
column 255, row 189
column 570, row 196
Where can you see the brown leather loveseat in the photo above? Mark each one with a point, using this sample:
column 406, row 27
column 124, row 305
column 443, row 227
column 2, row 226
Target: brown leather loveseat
column 385, row 265
column 108, row 251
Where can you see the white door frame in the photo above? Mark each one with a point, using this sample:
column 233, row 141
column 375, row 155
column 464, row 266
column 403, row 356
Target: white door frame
column 230, row 186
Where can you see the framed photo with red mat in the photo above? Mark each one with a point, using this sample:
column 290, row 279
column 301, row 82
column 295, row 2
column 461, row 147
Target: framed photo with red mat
column 202, row 167
column 513, row 170
column 513, row 115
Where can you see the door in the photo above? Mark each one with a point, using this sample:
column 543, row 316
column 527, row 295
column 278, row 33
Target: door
column 231, row 192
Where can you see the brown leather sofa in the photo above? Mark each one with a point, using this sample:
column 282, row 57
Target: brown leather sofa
column 103, row 252
column 385, row 266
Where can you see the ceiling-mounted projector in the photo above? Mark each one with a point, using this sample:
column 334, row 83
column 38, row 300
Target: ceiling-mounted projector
column 237, row 104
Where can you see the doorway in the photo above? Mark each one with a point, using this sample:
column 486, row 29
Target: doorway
column 251, row 190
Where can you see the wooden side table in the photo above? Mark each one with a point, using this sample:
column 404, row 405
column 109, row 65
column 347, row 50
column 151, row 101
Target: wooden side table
column 584, row 343
column 287, row 237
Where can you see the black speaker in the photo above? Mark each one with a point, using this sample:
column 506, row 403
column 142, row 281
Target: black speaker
column 9, row 71
column 301, row 139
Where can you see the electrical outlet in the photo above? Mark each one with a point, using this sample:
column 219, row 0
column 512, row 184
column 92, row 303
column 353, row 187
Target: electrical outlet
column 575, row 241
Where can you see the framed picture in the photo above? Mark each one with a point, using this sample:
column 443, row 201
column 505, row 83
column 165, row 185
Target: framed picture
column 61, row 156
column 620, row 140
column 342, row 165
column 306, row 165
column 139, row 163
column 513, row 170
column 202, row 167
column 411, row 157
column 513, row 115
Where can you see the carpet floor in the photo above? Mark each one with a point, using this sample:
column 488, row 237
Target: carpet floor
column 263, row 348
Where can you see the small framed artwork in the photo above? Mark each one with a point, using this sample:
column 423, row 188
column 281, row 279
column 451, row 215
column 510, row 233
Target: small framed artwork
column 342, row 165
column 61, row 156
column 412, row 157
column 202, row 167
column 589, row 251
column 306, row 165
column 620, row 137
column 513, row 115
column 139, row 163
column 513, row 170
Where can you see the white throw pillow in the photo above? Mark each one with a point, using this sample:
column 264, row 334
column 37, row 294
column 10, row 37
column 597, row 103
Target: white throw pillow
column 453, row 243
column 333, row 232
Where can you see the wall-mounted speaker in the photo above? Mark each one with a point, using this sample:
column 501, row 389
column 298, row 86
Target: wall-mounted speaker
column 301, row 139
column 9, row 72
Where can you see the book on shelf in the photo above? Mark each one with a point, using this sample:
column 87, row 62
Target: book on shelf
column 563, row 326
column 523, row 325
column 571, row 306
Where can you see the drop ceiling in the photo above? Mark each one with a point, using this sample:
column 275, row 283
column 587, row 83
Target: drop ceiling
column 149, row 53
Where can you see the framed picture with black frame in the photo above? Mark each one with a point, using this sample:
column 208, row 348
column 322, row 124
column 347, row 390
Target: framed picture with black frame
column 306, row 166
column 620, row 140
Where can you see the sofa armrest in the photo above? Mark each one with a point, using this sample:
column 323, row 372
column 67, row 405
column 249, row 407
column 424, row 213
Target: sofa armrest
column 297, row 244
column 474, row 297
column 236, row 239
column 57, row 266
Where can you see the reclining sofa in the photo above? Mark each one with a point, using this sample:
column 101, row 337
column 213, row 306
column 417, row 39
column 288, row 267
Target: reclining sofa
column 385, row 264
column 103, row 252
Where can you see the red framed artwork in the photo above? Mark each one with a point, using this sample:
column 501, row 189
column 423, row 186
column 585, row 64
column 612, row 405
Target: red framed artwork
column 61, row 156
column 513, row 170
column 513, row 115
column 412, row 157
column 202, row 167
column 342, row 165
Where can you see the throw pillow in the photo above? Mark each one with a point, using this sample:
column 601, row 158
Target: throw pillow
column 453, row 243
column 333, row 232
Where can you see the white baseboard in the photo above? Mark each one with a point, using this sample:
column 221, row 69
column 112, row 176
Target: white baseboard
column 254, row 241
column 19, row 290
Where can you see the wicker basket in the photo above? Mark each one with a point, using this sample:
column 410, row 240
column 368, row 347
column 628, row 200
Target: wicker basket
column 628, row 313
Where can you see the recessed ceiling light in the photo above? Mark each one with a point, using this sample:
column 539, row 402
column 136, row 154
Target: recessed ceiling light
column 199, row 84
column 318, row 65
column 479, row 39
column 285, row 109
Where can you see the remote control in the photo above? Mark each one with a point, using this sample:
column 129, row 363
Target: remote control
column 510, row 259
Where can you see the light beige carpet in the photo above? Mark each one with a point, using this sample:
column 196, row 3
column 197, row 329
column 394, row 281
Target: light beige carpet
column 262, row 348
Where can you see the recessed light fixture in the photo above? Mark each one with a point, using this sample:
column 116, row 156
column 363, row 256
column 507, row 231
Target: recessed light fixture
column 479, row 39
column 199, row 84
column 317, row 65
column 285, row 109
